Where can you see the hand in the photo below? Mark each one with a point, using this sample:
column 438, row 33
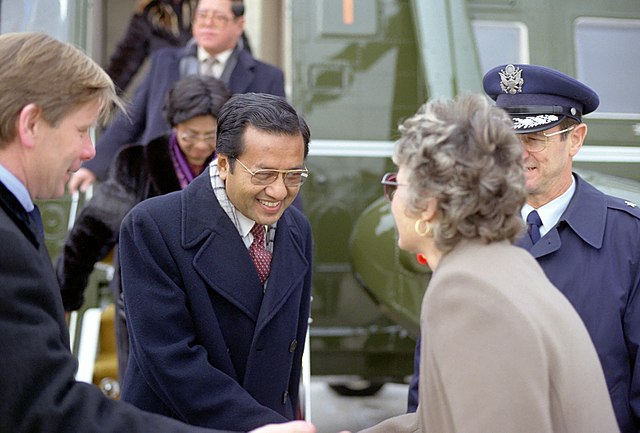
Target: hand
column 81, row 179
column 289, row 427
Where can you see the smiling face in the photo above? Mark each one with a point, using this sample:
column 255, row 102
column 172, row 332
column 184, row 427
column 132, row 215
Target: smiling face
column 263, row 204
column 58, row 151
column 548, row 172
column 215, row 28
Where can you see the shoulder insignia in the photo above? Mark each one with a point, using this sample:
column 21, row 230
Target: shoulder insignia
column 630, row 204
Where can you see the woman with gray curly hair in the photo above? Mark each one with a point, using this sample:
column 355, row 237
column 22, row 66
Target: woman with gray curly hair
column 503, row 350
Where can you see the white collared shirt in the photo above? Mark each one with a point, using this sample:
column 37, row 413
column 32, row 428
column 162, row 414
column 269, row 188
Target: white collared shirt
column 551, row 212
column 221, row 58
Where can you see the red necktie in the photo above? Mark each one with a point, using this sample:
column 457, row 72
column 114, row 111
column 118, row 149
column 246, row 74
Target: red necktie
column 260, row 256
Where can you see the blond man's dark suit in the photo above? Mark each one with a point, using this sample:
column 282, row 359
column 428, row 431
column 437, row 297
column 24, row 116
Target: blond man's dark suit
column 37, row 387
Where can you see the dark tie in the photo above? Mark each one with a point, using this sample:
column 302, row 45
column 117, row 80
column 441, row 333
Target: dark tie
column 534, row 222
column 260, row 256
column 36, row 221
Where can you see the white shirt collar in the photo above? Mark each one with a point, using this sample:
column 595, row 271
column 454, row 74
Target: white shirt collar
column 551, row 212
column 245, row 224
column 221, row 57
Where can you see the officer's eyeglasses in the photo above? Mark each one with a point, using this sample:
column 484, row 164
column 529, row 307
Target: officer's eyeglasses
column 267, row 176
column 390, row 185
column 192, row 138
column 217, row 19
column 538, row 141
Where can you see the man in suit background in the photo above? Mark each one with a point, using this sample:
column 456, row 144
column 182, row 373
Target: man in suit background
column 217, row 277
column 44, row 136
column 216, row 49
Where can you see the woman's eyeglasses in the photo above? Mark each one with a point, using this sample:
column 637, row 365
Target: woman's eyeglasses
column 390, row 185
column 268, row 176
column 192, row 138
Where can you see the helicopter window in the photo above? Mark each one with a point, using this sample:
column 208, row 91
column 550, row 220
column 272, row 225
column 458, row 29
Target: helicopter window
column 511, row 37
column 54, row 18
column 602, row 45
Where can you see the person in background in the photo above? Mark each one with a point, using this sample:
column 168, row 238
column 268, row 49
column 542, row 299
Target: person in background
column 217, row 278
column 216, row 49
column 44, row 136
column 167, row 163
column 587, row 242
column 504, row 350
column 155, row 24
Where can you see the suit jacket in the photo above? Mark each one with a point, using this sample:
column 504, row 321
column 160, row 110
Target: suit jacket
column 593, row 256
column 37, row 386
column 207, row 345
column 504, row 351
column 145, row 121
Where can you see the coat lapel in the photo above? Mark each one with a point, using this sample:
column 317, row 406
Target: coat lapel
column 220, row 257
column 585, row 201
column 288, row 269
column 242, row 76
column 222, row 260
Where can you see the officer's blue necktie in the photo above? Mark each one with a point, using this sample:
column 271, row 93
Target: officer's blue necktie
column 534, row 222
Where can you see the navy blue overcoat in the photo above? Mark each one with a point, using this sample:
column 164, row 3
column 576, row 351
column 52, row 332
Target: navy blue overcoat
column 208, row 346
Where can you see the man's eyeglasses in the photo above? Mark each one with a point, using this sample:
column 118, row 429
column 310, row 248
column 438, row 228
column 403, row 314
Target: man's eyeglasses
column 191, row 138
column 538, row 141
column 217, row 19
column 268, row 176
column 390, row 185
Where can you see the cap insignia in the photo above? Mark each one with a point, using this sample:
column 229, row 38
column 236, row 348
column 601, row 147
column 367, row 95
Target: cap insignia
column 511, row 79
column 630, row 204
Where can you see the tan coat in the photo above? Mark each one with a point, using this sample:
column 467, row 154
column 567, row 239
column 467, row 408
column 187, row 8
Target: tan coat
column 503, row 352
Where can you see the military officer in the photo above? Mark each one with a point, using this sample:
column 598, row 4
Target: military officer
column 587, row 242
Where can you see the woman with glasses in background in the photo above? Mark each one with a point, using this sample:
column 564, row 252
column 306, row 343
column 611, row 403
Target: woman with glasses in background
column 502, row 349
column 167, row 163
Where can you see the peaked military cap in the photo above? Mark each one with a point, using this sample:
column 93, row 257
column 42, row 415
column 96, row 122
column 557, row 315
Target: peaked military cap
column 537, row 97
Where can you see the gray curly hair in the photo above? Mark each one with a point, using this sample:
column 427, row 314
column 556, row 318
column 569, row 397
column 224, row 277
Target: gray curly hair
column 464, row 153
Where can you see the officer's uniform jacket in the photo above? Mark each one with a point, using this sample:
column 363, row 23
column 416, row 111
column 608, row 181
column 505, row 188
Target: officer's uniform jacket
column 593, row 257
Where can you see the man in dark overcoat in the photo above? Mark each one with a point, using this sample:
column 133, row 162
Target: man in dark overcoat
column 217, row 278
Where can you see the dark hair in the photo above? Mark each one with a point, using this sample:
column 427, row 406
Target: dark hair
column 193, row 96
column 237, row 7
column 269, row 113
